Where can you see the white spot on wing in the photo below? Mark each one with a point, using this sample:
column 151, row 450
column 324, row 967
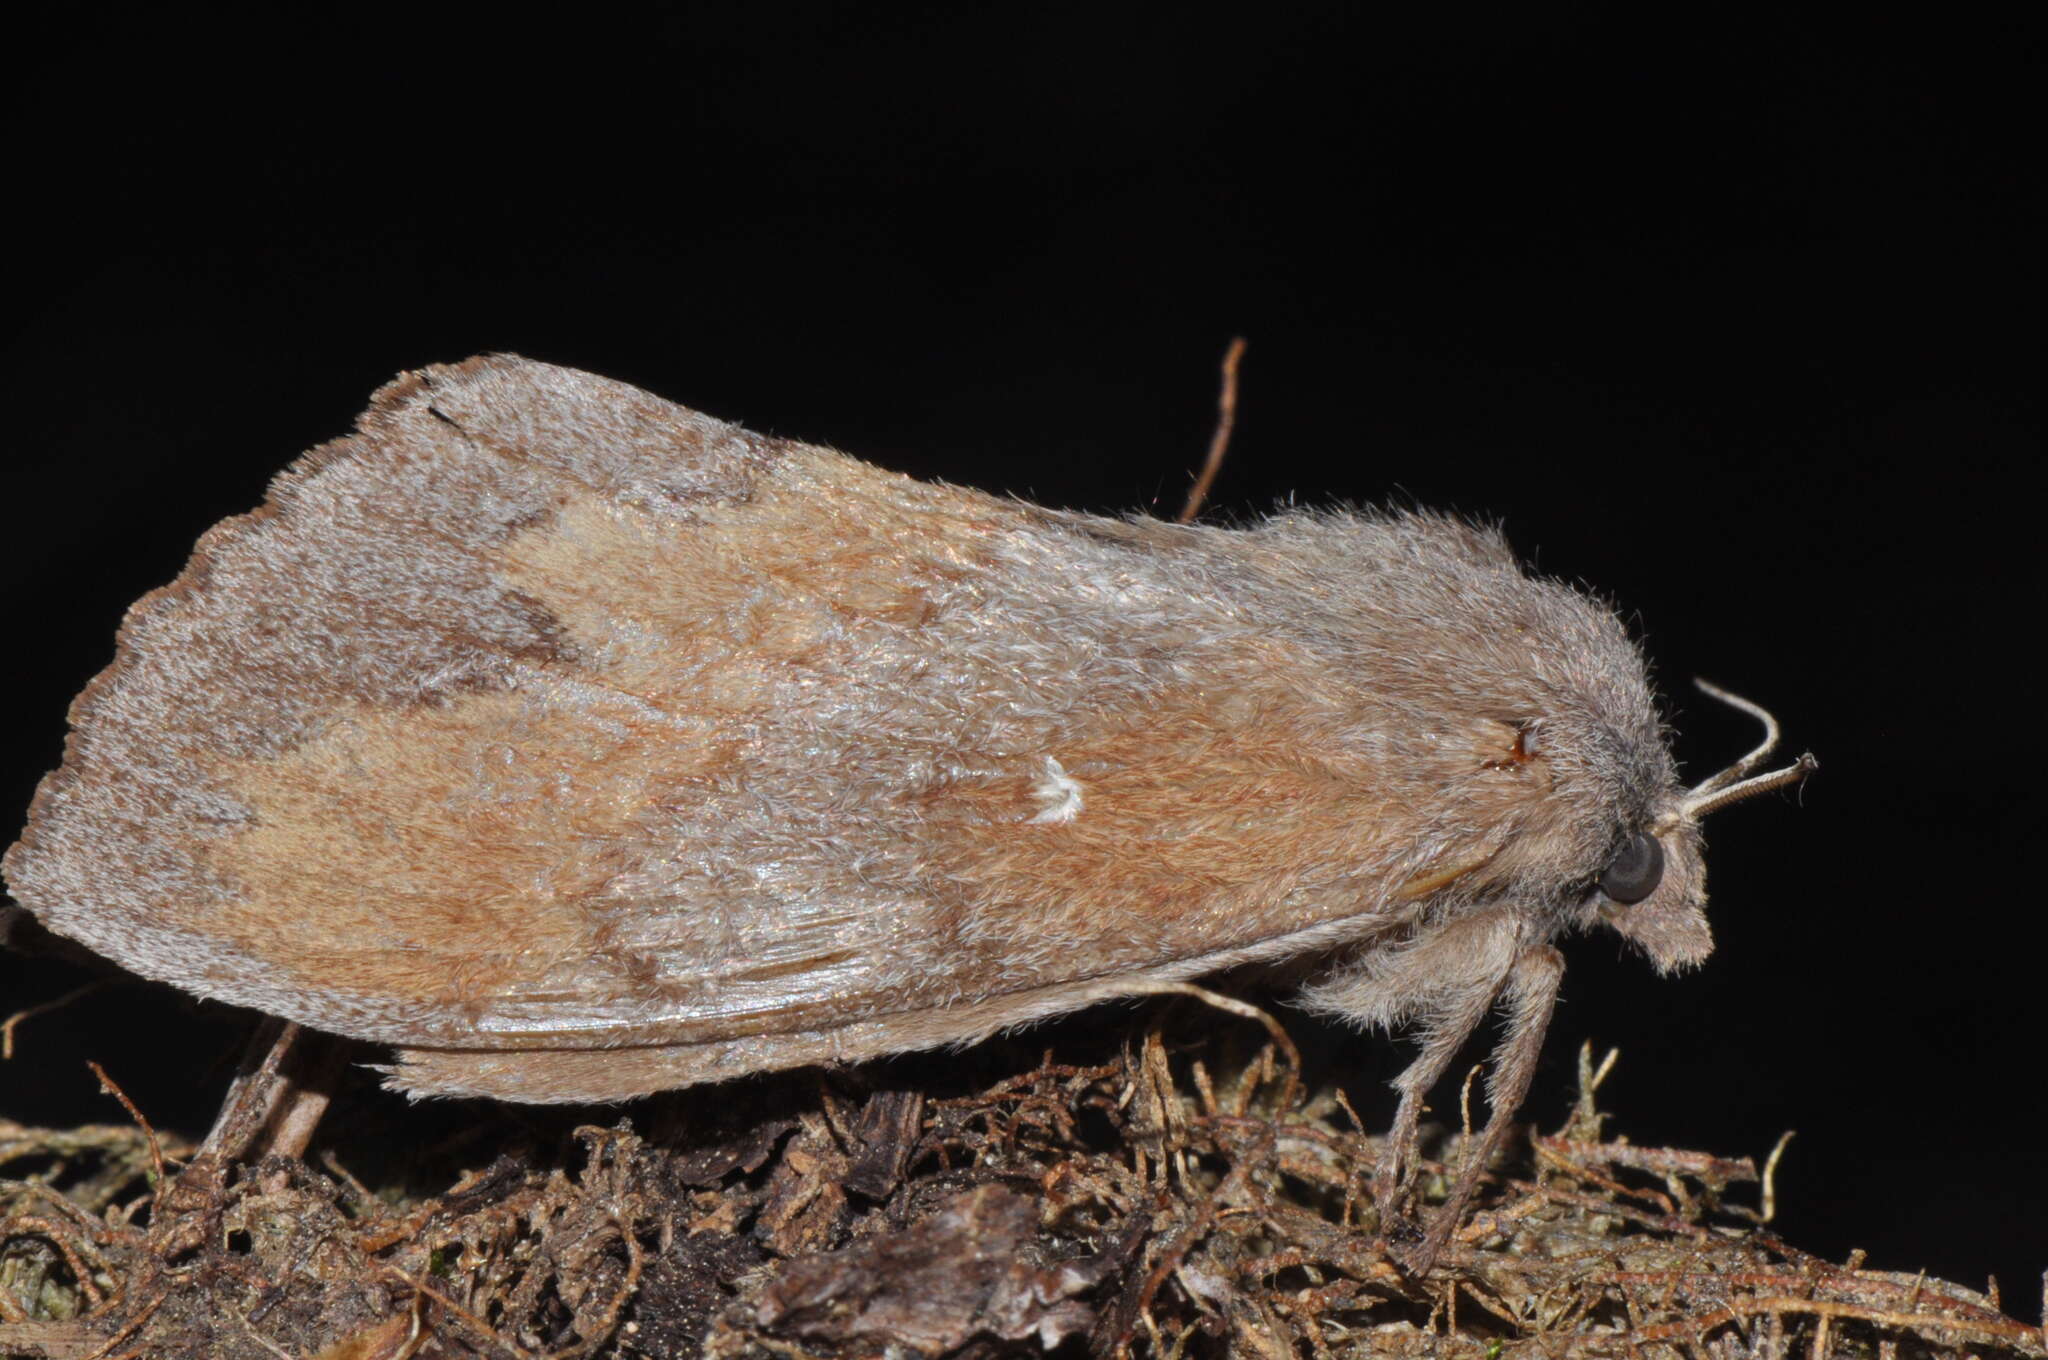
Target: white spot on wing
column 1060, row 793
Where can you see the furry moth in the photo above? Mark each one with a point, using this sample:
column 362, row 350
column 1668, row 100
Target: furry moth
column 581, row 746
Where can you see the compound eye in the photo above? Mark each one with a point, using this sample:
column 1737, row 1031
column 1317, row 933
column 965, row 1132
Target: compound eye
column 1636, row 870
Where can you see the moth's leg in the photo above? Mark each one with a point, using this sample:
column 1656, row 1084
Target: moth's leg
column 1447, row 1029
column 1444, row 980
column 1530, row 994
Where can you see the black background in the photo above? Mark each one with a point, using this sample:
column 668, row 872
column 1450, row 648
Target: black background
column 1738, row 323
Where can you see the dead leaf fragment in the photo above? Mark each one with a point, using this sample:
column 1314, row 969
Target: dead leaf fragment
column 952, row 1275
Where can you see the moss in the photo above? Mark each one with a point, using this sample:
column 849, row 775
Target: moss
column 1174, row 1195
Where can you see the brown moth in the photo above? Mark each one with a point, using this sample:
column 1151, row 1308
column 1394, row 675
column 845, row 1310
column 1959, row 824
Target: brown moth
column 582, row 746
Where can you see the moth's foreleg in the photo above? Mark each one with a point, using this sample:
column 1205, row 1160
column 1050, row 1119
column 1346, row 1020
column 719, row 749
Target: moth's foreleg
column 1444, row 980
column 1528, row 996
column 1446, row 1030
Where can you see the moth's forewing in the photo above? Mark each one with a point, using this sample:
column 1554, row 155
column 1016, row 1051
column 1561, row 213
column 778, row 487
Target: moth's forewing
column 258, row 795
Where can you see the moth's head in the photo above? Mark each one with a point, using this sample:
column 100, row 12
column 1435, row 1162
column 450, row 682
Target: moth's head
column 1653, row 890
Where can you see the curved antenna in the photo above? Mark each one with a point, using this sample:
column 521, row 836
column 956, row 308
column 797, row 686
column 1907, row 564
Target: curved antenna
column 1756, row 757
column 1735, row 783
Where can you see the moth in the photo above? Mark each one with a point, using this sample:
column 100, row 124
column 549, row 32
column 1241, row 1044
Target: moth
column 581, row 746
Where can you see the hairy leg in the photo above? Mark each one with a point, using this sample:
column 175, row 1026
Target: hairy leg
column 1530, row 994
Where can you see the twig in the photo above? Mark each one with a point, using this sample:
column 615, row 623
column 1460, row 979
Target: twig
column 8, row 1025
column 142, row 1315
column 2001, row 1329
column 1244, row 1009
column 156, row 1152
column 1226, row 418
column 483, row 1329
column 1769, row 1203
